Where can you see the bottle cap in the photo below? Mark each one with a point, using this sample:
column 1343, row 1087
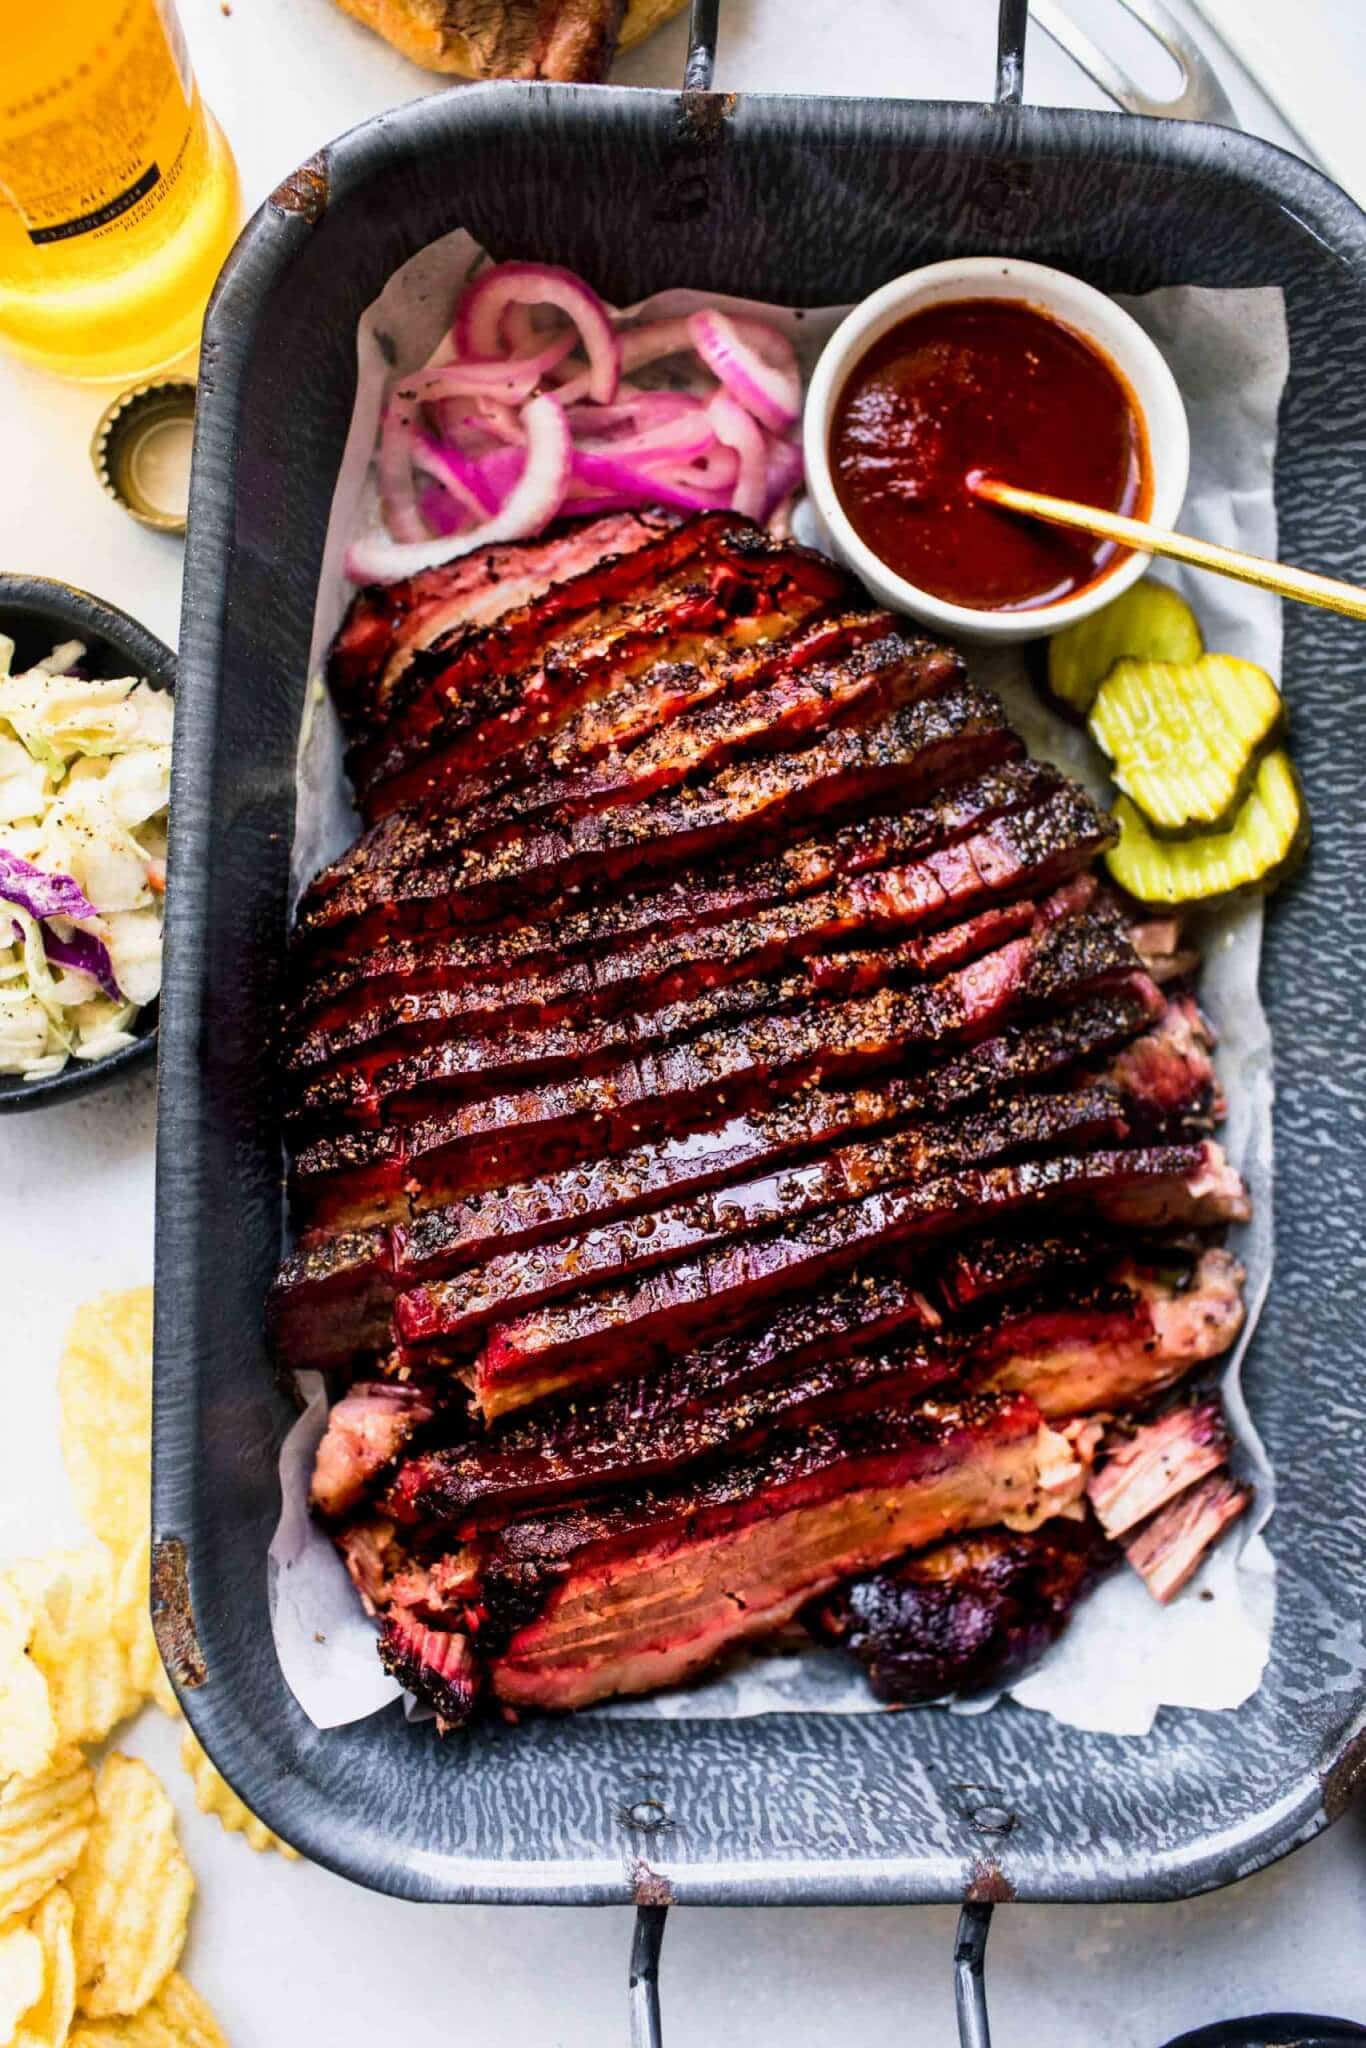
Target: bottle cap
column 141, row 451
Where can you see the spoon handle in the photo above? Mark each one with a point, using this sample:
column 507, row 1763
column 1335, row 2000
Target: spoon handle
column 1301, row 584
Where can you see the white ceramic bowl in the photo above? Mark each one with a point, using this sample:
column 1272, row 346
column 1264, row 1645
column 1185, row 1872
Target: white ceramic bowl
column 1078, row 306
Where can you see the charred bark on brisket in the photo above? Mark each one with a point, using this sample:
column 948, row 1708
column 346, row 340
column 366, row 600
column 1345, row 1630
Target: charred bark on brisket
column 966, row 1616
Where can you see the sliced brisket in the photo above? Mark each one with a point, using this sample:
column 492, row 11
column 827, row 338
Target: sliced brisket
column 517, row 684
column 621, row 1599
column 602, row 1334
column 1030, row 849
column 388, row 624
column 675, row 702
column 694, row 901
column 364, row 1175
column 333, row 1298
column 870, row 1340
column 448, row 1314
column 414, row 874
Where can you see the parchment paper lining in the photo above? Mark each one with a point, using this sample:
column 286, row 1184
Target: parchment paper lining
column 1123, row 1657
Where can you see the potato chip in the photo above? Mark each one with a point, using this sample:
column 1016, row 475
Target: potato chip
column 44, row 1822
column 105, row 1385
column 133, row 1628
column 69, row 1596
column 21, row 1977
column 131, row 1889
column 213, row 1794
column 28, row 1731
column 176, row 2018
column 47, row 2022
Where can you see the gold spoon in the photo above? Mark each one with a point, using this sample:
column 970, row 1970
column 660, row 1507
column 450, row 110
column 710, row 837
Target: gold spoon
column 1302, row 584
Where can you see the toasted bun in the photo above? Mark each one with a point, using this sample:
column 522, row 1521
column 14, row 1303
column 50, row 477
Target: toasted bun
column 503, row 38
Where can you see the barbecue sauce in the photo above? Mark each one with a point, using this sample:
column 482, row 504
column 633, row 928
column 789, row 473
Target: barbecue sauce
column 992, row 387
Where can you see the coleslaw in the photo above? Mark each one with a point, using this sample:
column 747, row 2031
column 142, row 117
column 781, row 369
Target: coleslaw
column 85, row 766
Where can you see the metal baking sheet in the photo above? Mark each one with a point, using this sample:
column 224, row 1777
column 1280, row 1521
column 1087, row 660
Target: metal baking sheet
column 809, row 201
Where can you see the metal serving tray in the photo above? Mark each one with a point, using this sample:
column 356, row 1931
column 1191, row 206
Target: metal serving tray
column 809, row 200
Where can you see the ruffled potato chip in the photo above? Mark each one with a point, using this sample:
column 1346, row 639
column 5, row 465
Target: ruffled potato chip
column 131, row 1889
column 69, row 1597
column 28, row 1729
column 21, row 1977
column 44, row 1824
column 105, row 1385
column 133, row 1628
column 47, row 2022
column 176, row 2018
column 213, row 1794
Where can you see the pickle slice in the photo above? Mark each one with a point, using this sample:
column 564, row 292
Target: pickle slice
column 1184, row 737
column 1268, row 837
column 1149, row 621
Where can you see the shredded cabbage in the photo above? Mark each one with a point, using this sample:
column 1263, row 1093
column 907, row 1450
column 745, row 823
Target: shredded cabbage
column 85, row 772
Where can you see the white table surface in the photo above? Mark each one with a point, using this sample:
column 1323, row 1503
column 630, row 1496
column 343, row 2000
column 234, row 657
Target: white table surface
column 288, row 1953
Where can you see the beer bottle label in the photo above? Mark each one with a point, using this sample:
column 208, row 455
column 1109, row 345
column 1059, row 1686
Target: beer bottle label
column 95, row 150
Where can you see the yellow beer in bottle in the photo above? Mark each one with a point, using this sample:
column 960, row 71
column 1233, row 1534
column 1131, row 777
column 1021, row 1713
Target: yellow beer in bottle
column 118, row 193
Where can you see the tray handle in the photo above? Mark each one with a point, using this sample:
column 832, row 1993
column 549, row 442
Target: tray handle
column 703, row 24
column 969, row 1978
column 1012, row 23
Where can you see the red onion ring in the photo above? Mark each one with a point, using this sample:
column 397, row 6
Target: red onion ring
column 637, row 484
column 456, row 473
column 531, row 504
column 738, row 429
column 767, row 384
column 480, row 312
column 683, row 439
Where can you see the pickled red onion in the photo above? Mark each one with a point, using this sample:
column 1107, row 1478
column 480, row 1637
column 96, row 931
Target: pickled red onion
column 723, row 447
column 738, row 429
column 769, row 386
column 480, row 312
column 531, row 504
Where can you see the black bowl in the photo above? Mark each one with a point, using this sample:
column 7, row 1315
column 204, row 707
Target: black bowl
column 38, row 614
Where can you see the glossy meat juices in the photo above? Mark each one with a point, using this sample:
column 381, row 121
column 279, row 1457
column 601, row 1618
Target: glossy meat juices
column 992, row 386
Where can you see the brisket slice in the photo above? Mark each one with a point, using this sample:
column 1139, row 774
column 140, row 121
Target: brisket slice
column 388, row 623
column 655, row 1422
column 375, row 1087
column 1143, row 1467
column 600, row 1335
column 366, row 1431
column 474, row 708
column 1030, row 849
column 439, row 1665
column 361, row 1175
column 668, row 705
column 1090, row 1345
column 693, row 901
column 1169, row 1549
column 1117, row 1345
column 625, row 1598
column 448, row 1314
column 518, row 636
column 333, row 1298
column 963, row 1616
column 421, row 879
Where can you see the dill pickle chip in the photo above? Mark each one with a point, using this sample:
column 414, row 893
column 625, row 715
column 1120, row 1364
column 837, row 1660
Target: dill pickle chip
column 1268, row 836
column 1149, row 622
column 1183, row 737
